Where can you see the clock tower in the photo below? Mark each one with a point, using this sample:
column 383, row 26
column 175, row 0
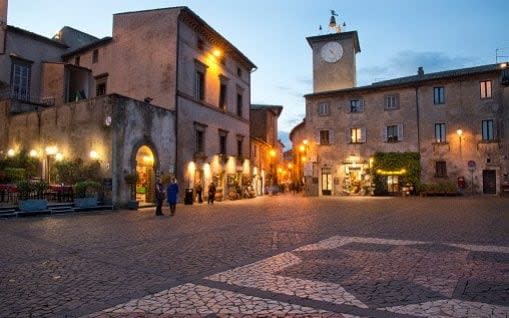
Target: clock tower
column 334, row 60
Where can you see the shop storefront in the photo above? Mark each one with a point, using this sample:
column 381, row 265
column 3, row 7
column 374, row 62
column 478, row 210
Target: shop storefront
column 229, row 177
column 357, row 177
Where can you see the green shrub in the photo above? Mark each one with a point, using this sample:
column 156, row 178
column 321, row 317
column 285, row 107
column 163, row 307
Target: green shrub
column 73, row 171
column 31, row 190
column 86, row 189
column 22, row 161
column 15, row 174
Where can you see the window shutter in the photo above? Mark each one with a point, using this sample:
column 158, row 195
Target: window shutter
column 384, row 133
column 396, row 101
column 400, row 132
column 317, row 136
column 363, row 134
column 496, row 130
column 348, row 136
column 361, row 105
column 332, row 137
column 348, row 106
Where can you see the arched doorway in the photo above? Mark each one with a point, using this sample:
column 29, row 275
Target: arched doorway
column 146, row 175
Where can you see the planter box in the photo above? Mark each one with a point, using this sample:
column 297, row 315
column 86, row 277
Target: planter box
column 84, row 203
column 33, row 205
column 132, row 205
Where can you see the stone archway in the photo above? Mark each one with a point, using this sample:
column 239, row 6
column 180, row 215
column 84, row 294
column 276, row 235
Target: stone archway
column 145, row 167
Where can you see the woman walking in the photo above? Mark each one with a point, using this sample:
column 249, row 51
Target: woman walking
column 172, row 195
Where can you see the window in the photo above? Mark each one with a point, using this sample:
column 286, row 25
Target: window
column 239, row 104
column 199, row 138
column 393, row 133
column 222, row 141
column 324, row 137
column 391, row 102
column 100, row 85
column 355, row 106
column 357, row 135
column 199, row 86
column 487, row 130
column 21, row 72
column 485, row 87
column 440, row 135
column 240, row 141
column 440, row 169
column 95, row 56
column 222, row 95
column 239, row 72
column 438, row 95
column 77, row 61
column 323, row 109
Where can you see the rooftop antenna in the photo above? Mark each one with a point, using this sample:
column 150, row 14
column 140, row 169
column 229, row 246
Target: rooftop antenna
column 333, row 26
column 501, row 53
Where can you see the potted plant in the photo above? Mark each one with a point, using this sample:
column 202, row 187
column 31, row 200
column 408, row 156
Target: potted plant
column 31, row 195
column 86, row 194
column 131, row 179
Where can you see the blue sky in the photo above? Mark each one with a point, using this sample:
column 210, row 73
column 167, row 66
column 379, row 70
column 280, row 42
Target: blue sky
column 396, row 36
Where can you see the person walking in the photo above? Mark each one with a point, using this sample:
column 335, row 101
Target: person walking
column 172, row 194
column 199, row 191
column 159, row 198
column 212, row 193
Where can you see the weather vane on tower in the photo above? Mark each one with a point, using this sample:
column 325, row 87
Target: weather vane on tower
column 333, row 26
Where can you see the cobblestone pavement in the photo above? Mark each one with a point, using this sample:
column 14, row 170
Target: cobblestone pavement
column 270, row 256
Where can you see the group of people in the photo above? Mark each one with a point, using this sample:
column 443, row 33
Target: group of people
column 172, row 192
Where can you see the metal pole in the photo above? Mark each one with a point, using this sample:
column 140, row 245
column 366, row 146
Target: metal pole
column 472, row 181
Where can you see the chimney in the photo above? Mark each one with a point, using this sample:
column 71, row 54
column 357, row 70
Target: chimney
column 420, row 71
column 3, row 24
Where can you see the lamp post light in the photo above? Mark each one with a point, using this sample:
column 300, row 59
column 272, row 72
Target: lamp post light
column 459, row 132
column 272, row 155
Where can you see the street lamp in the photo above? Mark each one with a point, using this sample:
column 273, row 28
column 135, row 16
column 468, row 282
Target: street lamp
column 459, row 132
column 272, row 155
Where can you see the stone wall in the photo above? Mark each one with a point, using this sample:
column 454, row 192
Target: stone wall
column 80, row 127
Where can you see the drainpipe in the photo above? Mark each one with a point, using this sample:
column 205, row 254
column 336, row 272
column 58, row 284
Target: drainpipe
column 176, row 99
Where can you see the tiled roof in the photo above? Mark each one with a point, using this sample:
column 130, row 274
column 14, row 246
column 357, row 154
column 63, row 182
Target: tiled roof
column 277, row 108
column 36, row 36
column 440, row 75
column 88, row 46
column 416, row 79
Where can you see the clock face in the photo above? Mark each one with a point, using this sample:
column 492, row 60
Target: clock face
column 107, row 121
column 331, row 52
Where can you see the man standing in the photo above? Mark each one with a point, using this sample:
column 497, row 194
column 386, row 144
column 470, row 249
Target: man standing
column 199, row 190
column 212, row 193
column 159, row 198
column 172, row 195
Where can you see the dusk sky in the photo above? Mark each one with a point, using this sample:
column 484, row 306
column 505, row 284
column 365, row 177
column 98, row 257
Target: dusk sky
column 396, row 36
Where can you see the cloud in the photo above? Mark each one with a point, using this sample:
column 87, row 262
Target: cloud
column 294, row 120
column 408, row 61
column 405, row 63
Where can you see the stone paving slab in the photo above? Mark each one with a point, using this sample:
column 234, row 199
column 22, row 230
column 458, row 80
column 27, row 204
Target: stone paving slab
column 379, row 286
column 336, row 255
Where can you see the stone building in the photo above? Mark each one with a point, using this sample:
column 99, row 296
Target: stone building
column 456, row 121
column 265, row 148
column 179, row 89
column 189, row 68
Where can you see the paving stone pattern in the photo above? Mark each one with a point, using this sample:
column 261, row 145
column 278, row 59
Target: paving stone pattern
column 273, row 256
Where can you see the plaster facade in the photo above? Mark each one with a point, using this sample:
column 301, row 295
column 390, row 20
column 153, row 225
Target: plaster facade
column 180, row 45
column 454, row 120
column 266, row 151
column 78, row 128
